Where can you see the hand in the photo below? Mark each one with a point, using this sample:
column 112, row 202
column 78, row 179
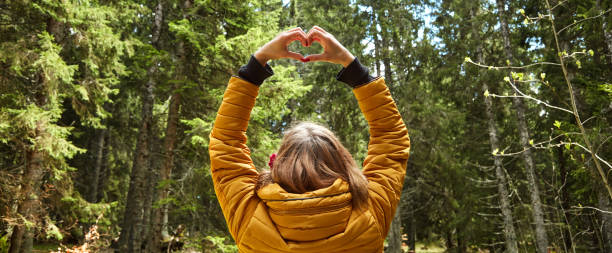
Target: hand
column 333, row 51
column 277, row 47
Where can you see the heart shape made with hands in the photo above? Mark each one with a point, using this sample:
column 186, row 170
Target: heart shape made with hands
column 277, row 48
column 306, row 40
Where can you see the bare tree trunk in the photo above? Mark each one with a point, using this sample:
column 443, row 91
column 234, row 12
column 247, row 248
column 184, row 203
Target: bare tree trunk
column 411, row 233
column 563, row 170
column 605, row 217
column 377, row 46
column 461, row 246
column 386, row 54
column 394, row 238
column 132, row 229
column 104, row 173
column 536, row 203
column 160, row 217
column 293, row 12
column 607, row 34
column 450, row 246
column 150, row 190
column 509, row 232
column 30, row 191
column 95, row 177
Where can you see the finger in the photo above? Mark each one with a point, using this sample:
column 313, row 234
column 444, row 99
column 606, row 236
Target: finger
column 292, row 31
column 294, row 55
column 319, row 28
column 309, row 34
column 304, row 39
column 296, row 35
column 316, row 57
column 317, row 35
column 295, row 29
column 309, row 38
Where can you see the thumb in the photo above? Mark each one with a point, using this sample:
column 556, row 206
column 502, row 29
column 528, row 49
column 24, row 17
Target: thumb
column 316, row 57
column 294, row 55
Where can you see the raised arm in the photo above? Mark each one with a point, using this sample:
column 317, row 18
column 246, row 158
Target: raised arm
column 233, row 172
column 388, row 149
column 389, row 146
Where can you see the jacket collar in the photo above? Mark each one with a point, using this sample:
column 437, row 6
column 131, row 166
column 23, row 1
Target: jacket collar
column 308, row 216
column 274, row 192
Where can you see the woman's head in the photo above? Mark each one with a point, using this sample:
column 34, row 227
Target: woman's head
column 311, row 157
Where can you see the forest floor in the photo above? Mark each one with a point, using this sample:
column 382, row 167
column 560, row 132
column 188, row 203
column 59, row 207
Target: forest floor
column 420, row 248
column 426, row 248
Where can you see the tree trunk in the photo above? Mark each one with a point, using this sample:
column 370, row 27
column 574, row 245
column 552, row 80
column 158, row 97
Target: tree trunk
column 607, row 34
column 450, row 245
column 563, row 170
column 132, row 227
column 150, row 190
column 605, row 217
column 394, row 237
column 104, row 172
column 536, row 203
column 377, row 49
column 509, row 232
column 293, row 12
column 132, row 237
column 159, row 233
column 30, row 191
column 95, row 177
column 160, row 228
column 386, row 52
column 411, row 233
column 461, row 246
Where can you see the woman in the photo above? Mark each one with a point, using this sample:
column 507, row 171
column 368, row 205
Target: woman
column 314, row 199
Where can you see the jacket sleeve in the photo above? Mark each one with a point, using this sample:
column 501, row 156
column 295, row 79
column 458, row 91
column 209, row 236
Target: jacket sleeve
column 233, row 172
column 388, row 150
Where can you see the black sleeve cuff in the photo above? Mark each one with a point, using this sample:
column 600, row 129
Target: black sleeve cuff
column 355, row 74
column 254, row 72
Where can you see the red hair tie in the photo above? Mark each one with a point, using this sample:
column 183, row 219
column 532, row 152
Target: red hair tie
column 272, row 158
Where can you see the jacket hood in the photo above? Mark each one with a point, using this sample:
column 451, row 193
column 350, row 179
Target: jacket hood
column 311, row 215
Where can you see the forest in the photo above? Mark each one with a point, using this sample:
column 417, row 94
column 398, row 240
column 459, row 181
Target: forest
column 106, row 107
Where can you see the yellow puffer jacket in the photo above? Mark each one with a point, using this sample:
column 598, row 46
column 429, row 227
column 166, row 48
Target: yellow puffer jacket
column 273, row 220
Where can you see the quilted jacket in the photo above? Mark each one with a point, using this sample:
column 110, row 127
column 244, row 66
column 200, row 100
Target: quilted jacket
column 274, row 220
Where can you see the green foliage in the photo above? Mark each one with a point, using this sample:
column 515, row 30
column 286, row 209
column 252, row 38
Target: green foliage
column 53, row 231
column 199, row 132
column 607, row 88
column 4, row 244
column 219, row 246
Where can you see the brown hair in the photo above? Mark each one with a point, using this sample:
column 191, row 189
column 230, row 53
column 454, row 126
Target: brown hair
column 311, row 157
